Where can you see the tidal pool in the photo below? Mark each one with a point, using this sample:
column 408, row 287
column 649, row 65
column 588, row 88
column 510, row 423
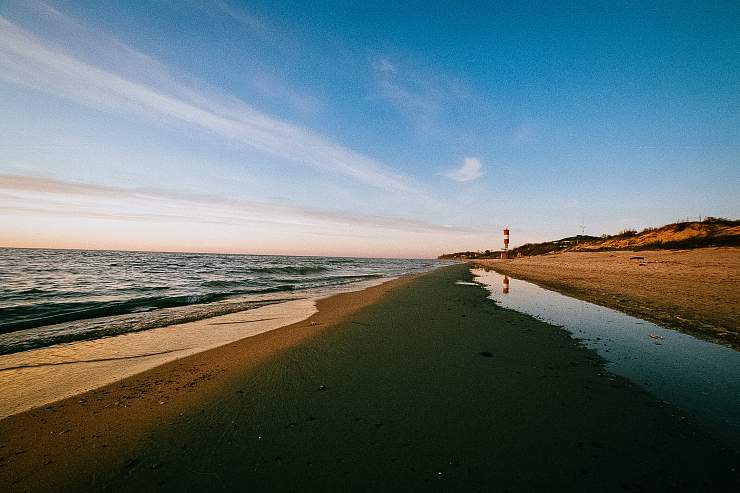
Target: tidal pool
column 696, row 376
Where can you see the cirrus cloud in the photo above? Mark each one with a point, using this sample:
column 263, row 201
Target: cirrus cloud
column 29, row 60
column 469, row 170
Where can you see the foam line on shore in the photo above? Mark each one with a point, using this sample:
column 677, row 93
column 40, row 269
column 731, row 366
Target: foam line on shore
column 41, row 376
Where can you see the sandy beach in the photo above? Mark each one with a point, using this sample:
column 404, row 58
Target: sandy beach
column 696, row 291
column 41, row 376
column 416, row 383
column 240, row 244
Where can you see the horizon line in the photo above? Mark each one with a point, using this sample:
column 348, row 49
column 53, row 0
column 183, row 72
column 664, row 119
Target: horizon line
column 72, row 249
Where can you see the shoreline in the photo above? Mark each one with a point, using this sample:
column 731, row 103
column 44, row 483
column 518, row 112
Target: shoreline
column 129, row 408
column 693, row 291
column 416, row 383
column 42, row 376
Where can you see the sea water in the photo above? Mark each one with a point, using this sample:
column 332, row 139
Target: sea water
column 53, row 296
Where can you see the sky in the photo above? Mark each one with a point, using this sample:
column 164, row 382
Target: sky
column 378, row 129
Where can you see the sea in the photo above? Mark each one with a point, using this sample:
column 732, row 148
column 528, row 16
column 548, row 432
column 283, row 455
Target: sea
column 51, row 296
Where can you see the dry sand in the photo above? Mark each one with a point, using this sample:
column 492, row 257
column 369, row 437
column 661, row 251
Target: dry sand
column 696, row 291
column 417, row 383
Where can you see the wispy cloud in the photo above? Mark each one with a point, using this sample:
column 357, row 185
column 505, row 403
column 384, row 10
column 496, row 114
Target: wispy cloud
column 41, row 195
column 31, row 61
column 409, row 95
column 383, row 65
column 469, row 170
column 241, row 15
column 527, row 132
column 420, row 95
column 275, row 89
column 521, row 135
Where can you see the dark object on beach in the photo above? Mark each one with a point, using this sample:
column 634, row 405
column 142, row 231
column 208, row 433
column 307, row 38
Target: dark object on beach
column 637, row 258
column 486, row 354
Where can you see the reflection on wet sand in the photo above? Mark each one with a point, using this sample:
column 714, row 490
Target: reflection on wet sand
column 698, row 376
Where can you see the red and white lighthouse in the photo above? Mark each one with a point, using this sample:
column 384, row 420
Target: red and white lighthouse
column 506, row 243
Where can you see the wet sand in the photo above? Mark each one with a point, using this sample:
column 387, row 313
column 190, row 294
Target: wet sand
column 695, row 291
column 417, row 383
column 41, row 376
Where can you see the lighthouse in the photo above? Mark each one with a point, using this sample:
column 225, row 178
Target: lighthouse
column 506, row 243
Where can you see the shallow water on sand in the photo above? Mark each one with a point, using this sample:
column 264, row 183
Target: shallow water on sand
column 696, row 376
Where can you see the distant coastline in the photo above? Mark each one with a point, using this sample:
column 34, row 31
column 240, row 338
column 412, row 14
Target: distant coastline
column 710, row 232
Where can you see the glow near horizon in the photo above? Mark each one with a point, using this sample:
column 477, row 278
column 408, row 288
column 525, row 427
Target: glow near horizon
column 110, row 148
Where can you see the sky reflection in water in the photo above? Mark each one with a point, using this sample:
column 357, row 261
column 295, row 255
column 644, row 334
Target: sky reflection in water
column 697, row 376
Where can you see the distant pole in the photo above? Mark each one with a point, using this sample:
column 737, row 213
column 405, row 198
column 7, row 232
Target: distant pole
column 506, row 243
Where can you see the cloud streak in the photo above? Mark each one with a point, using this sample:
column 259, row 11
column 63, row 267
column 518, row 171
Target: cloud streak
column 423, row 96
column 409, row 95
column 75, row 199
column 30, row 61
column 469, row 170
column 240, row 15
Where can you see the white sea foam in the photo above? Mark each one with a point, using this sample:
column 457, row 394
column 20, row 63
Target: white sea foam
column 41, row 376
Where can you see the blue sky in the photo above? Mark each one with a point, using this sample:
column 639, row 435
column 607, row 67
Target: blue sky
column 375, row 129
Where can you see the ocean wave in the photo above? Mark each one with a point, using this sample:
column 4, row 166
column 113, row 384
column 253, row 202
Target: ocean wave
column 81, row 294
column 221, row 283
column 26, row 317
column 33, row 291
column 36, row 293
column 356, row 276
column 116, row 325
column 288, row 269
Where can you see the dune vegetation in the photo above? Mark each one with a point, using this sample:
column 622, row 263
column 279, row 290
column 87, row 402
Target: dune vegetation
column 710, row 232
